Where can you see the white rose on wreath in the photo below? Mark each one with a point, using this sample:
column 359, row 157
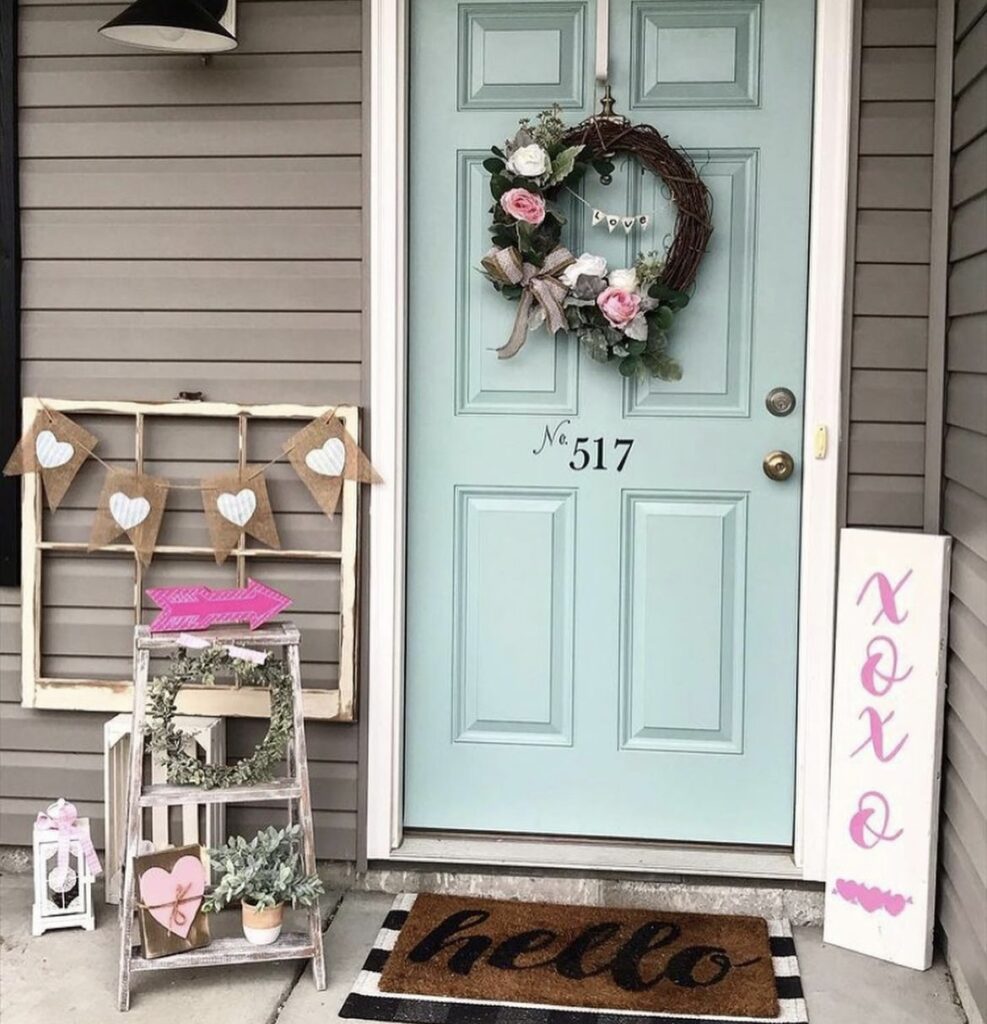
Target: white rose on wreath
column 529, row 161
column 587, row 265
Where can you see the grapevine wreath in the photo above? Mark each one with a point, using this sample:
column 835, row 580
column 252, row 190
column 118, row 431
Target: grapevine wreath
column 618, row 314
column 185, row 768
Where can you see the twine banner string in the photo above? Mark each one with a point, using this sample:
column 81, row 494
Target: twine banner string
column 256, row 472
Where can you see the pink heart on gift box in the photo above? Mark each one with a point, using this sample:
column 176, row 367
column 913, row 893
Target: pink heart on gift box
column 173, row 897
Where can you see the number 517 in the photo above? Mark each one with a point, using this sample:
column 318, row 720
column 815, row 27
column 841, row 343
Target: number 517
column 582, row 456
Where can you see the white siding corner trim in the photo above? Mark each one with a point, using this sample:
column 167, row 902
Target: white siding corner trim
column 387, row 306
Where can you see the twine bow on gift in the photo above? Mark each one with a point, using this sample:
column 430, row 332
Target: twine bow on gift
column 176, row 916
column 62, row 817
column 539, row 285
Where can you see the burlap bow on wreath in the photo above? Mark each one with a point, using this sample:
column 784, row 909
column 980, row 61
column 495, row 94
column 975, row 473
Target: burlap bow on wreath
column 538, row 284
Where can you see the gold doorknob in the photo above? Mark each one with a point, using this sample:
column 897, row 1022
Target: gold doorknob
column 778, row 465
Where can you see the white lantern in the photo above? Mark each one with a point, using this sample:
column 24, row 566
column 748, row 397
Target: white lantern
column 65, row 867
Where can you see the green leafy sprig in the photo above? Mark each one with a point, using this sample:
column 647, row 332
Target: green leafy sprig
column 264, row 872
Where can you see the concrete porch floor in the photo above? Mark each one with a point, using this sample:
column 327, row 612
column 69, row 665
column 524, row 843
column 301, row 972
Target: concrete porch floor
column 72, row 975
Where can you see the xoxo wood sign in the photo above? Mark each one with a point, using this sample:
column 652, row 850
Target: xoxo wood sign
column 888, row 698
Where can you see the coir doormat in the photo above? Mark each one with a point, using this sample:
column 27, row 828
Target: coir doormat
column 462, row 960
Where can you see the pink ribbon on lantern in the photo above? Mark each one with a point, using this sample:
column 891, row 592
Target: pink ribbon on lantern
column 61, row 817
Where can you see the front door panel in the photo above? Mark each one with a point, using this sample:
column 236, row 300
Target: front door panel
column 601, row 635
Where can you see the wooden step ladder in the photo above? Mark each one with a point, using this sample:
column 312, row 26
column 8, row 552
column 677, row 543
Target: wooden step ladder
column 294, row 787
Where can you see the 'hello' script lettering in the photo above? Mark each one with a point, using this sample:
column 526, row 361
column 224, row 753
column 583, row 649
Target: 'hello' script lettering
column 689, row 967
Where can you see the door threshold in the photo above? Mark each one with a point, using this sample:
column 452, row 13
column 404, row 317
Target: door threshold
column 499, row 850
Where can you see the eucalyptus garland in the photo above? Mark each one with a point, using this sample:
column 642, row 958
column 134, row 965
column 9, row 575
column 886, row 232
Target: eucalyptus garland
column 185, row 769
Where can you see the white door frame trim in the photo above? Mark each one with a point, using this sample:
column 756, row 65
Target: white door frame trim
column 824, row 341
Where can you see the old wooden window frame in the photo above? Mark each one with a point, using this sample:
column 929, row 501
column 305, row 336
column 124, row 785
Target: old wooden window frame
column 38, row 691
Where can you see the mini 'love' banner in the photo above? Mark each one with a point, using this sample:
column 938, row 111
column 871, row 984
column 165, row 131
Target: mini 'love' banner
column 324, row 455
column 236, row 503
column 54, row 447
column 130, row 503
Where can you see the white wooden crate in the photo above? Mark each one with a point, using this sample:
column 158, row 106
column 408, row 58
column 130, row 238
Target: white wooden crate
column 206, row 733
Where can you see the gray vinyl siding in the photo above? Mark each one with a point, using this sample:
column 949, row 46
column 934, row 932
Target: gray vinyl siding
column 186, row 225
column 889, row 281
column 963, row 885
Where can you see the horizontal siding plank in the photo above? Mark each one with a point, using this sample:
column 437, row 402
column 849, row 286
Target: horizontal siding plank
column 890, row 342
column 966, row 460
column 965, row 517
column 961, row 943
column 964, row 756
column 196, row 183
column 969, row 700
column 969, row 585
column 195, row 285
column 967, row 343
column 893, row 236
column 880, row 448
column 26, row 773
column 967, row 12
column 262, row 27
column 70, row 732
column 968, row 285
column 17, row 816
column 970, row 112
column 970, row 170
column 158, row 380
column 887, row 396
column 179, row 80
column 968, row 641
column 899, row 23
column 889, row 129
column 295, row 130
column 891, row 501
column 10, row 679
column 970, row 59
column 882, row 289
column 335, row 831
column 191, row 234
column 957, row 864
column 10, row 629
column 894, row 182
column 966, row 401
column 966, row 820
column 210, row 336
column 897, row 73
column 968, row 232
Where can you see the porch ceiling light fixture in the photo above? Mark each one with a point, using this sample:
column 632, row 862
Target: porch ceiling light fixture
column 179, row 26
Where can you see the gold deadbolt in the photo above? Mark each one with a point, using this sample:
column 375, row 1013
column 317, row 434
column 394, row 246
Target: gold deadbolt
column 778, row 465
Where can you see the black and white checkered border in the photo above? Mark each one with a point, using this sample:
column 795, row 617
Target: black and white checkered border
column 367, row 1002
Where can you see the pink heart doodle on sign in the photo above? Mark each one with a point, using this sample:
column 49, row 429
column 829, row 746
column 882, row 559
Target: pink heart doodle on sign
column 871, row 898
column 173, row 897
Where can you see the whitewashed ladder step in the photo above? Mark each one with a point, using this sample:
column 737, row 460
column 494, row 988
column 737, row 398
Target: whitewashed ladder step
column 222, row 952
column 163, row 795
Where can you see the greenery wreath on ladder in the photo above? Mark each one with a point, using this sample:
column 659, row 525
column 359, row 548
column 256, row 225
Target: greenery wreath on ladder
column 185, row 769
column 622, row 314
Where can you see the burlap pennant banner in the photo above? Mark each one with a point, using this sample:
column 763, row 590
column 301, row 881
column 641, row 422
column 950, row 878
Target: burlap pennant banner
column 133, row 504
column 324, row 455
column 236, row 503
column 55, row 447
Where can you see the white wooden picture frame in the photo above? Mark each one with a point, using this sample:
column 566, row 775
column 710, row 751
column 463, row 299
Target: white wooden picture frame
column 91, row 694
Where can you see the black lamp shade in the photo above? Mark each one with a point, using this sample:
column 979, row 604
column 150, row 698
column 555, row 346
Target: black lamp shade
column 180, row 26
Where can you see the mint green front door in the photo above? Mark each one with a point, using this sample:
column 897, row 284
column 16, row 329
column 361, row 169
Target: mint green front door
column 602, row 582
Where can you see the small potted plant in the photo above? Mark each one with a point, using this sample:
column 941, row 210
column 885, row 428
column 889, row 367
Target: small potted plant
column 263, row 874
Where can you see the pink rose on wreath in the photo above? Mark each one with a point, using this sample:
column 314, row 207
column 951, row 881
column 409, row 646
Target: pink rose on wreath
column 523, row 205
column 618, row 306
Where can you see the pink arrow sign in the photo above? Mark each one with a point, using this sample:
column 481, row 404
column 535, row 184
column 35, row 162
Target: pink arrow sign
column 192, row 608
